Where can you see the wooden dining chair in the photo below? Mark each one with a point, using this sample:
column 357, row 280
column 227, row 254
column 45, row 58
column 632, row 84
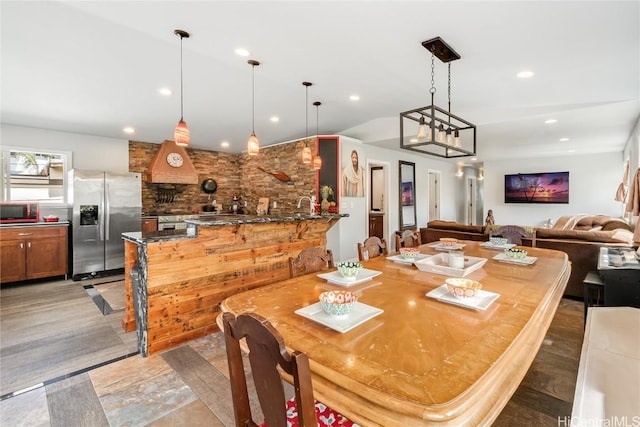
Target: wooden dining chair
column 310, row 260
column 408, row 239
column 371, row 248
column 267, row 354
column 512, row 233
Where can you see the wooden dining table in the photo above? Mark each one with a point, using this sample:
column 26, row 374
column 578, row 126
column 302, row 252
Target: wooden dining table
column 421, row 361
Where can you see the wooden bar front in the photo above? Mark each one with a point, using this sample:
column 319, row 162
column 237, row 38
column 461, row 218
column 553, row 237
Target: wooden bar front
column 184, row 279
column 422, row 361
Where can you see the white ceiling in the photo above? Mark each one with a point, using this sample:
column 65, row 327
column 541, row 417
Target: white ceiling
column 95, row 66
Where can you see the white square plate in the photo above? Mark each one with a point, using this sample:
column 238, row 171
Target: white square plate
column 528, row 260
column 338, row 279
column 441, row 247
column 360, row 313
column 481, row 301
column 490, row 245
column 399, row 259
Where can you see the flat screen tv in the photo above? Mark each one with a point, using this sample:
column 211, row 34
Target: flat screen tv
column 548, row 187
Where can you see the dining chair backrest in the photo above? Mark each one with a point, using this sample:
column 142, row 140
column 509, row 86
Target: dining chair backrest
column 310, row 260
column 408, row 239
column 512, row 233
column 267, row 353
column 371, row 248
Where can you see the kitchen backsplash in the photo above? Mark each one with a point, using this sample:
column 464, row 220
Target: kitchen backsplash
column 236, row 175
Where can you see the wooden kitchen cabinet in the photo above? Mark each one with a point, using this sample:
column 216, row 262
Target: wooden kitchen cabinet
column 376, row 225
column 33, row 252
column 149, row 224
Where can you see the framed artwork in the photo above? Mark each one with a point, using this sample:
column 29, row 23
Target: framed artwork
column 353, row 176
column 407, row 179
column 407, row 194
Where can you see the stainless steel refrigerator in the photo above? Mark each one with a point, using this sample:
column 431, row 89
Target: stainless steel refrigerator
column 102, row 205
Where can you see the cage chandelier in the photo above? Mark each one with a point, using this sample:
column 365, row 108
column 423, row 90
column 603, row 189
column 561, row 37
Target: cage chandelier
column 433, row 130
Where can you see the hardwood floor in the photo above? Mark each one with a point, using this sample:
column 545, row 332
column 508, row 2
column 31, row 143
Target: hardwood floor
column 188, row 385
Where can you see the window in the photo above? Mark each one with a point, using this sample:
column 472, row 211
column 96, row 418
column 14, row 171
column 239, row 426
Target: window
column 34, row 175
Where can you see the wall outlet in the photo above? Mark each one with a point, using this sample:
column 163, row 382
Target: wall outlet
column 275, row 204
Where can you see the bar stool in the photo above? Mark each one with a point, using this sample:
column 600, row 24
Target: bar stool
column 593, row 284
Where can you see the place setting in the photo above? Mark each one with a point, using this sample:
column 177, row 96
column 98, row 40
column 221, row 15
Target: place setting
column 464, row 292
column 349, row 273
column 408, row 256
column 515, row 256
column 339, row 310
column 497, row 243
column 447, row 244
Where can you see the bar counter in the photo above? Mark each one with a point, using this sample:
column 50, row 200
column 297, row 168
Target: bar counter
column 175, row 280
column 421, row 362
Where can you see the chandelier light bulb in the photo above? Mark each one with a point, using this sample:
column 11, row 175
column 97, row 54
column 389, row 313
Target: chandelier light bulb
column 441, row 134
column 422, row 129
column 456, row 138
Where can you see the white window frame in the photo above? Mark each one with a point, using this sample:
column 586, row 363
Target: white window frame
column 5, row 168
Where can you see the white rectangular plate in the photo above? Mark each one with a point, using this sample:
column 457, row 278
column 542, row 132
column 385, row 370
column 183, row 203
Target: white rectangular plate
column 490, row 245
column 441, row 247
column 338, row 279
column 360, row 313
column 528, row 260
column 481, row 301
column 439, row 264
column 399, row 259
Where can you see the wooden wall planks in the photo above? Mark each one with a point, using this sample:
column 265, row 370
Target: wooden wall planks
column 188, row 278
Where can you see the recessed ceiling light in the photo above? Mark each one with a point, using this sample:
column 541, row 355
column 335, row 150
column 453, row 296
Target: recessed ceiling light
column 128, row 129
column 165, row 91
column 550, row 121
column 242, row 52
column 413, row 140
column 224, row 144
column 564, row 139
column 473, row 159
column 354, row 97
column 571, row 151
column 525, row 74
column 274, row 119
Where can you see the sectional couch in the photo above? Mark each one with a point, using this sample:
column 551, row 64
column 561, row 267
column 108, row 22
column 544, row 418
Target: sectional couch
column 579, row 236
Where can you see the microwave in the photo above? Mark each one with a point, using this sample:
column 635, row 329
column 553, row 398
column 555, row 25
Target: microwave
column 11, row 212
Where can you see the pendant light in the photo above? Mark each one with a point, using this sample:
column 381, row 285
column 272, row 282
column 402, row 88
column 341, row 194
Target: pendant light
column 317, row 160
column 253, row 145
column 181, row 134
column 306, row 152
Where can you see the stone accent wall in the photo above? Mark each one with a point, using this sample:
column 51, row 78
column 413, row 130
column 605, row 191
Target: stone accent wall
column 235, row 174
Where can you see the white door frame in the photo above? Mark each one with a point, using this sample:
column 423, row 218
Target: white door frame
column 470, row 200
column 433, row 194
column 386, row 168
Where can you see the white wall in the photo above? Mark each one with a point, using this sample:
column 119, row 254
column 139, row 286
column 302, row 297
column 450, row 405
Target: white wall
column 89, row 152
column 593, row 180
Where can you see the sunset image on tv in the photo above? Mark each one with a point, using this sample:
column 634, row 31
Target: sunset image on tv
column 537, row 188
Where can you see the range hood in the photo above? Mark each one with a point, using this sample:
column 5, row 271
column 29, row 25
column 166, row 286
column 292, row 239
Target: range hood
column 171, row 165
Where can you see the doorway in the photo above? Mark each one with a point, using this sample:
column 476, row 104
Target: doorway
column 434, row 195
column 470, row 201
column 378, row 199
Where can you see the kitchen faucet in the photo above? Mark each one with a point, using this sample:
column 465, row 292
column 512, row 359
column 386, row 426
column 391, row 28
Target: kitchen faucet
column 312, row 202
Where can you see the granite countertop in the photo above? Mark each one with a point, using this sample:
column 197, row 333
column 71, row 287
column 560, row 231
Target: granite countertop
column 231, row 219
column 219, row 220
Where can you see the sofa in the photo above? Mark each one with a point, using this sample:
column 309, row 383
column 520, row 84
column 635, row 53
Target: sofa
column 438, row 228
column 579, row 236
